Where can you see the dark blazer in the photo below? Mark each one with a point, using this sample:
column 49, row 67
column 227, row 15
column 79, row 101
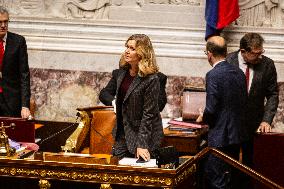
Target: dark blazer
column 162, row 94
column 141, row 116
column 16, row 74
column 264, row 86
column 225, row 101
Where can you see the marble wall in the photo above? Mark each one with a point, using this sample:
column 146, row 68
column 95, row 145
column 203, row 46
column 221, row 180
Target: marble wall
column 74, row 45
column 58, row 93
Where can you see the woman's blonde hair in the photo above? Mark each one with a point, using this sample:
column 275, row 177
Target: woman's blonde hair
column 144, row 49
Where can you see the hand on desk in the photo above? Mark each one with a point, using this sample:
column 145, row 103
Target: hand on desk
column 143, row 153
column 264, row 127
column 25, row 112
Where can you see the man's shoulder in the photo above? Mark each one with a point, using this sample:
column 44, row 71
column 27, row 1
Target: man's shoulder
column 232, row 56
column 15, row 36
column 233, row 67
column 223, row 68
column 267, row 60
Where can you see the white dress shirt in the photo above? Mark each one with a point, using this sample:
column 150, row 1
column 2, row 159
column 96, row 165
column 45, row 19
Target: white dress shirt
column 243, row 67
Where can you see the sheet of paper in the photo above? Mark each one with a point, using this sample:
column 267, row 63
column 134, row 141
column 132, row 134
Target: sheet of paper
column 165, row 122
column 132, row 162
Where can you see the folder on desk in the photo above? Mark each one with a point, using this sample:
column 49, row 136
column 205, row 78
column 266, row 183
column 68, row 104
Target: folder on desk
column 183, row 124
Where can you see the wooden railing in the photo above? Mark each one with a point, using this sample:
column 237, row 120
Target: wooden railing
column 255, row 175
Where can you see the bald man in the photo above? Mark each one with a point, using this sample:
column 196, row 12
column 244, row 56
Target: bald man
column 226, row 96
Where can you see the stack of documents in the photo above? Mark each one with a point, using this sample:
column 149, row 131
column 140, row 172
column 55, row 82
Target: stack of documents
column 132, row 162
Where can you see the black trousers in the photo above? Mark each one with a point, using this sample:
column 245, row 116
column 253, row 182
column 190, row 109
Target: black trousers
column 4, row 109
column 217, row 173
column 247, row 153
column 247, row 159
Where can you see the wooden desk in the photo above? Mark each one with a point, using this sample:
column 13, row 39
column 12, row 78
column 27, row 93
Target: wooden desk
column 185, row 143
column 24, row 130
column 268, row 157
column 99, row 173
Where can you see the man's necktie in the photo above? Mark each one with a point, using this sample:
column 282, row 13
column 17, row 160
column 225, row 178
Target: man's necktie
column 247, row 76
column 1, row 53
column 2, row 50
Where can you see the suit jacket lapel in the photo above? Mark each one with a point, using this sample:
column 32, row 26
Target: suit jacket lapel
column 8, row 47
column 132, row 86
column 256, row 77
column 235, row 60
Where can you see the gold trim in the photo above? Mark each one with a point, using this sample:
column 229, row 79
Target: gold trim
column 44, row 184
column 136, row 179
column 13, row 171
column 189, row 171
column 96, row 177
column 168, row 182
column 105, row 186
column 70, row 144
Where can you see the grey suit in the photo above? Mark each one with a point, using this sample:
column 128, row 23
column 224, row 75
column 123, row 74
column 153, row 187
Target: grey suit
column 140, row 111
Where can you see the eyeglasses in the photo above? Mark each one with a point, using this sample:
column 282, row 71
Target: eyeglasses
column 4, row 22
column 206, row 52
column 257, row 53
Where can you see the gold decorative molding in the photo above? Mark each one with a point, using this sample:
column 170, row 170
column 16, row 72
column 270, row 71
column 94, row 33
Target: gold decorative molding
column 44, row 184
column 95, row 177
column 185, row 174
column 97, row 173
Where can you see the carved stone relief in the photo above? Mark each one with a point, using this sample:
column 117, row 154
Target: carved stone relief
column 89, row 9
column 259, row 13
column 175, row 2
column 96, row 9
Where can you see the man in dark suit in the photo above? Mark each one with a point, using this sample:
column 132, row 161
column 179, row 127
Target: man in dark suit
column 262, row 90
column 261, row 86
column 15, row 76
column 225, row 100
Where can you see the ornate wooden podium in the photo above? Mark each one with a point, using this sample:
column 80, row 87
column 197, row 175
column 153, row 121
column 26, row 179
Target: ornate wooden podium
column 109, row 174
column 269, row 157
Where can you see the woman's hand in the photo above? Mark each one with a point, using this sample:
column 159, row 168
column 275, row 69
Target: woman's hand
column 144, row 153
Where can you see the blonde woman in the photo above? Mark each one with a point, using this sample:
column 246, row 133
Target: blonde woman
column 134, row 88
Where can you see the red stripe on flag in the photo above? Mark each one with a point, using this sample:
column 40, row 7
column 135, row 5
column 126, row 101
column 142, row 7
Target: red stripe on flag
column 228, row 12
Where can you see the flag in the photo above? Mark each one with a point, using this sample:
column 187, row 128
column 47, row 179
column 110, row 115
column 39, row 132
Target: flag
column 219, row 14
